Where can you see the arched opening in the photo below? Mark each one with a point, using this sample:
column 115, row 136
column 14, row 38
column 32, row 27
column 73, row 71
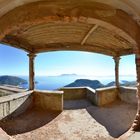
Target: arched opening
column 14, row 62
column 64, row 67
column 115, row 108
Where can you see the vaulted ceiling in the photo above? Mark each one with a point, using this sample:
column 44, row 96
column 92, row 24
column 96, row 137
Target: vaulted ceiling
column 108, row 27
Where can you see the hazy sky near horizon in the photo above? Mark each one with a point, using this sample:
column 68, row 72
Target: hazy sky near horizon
column 15, row 62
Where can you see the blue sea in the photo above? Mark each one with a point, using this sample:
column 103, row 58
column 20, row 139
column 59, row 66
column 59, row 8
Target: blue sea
column 56, row 82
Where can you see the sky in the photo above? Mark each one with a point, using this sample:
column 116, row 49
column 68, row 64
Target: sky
column 15, row 62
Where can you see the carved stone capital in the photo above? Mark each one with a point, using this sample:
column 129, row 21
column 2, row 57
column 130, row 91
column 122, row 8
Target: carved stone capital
column 31, row 55
column 116, row 59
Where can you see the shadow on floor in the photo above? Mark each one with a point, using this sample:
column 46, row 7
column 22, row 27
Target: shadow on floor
column 76, row 104
column 117, row 117
column 28, row 121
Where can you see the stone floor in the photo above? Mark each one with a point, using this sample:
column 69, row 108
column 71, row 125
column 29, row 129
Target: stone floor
column 135, row 136
column 79, row 121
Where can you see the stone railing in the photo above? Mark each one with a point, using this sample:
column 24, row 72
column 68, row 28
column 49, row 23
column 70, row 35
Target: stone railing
column 8, row 90
column 73, row 93
column 15, row 104
column 106, row 95
column 101, row 96
column 128, row 94
column 91, row 95
column 98, row 97
column 49, row 100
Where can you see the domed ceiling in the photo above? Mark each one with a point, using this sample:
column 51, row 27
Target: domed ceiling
column 108, row 27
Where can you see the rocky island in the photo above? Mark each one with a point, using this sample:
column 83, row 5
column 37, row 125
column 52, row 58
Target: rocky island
column 97, row 84
column 12, row 80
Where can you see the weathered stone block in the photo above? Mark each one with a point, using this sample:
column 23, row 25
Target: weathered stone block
column 106, row 95
column 128, row 95
column 49, row 100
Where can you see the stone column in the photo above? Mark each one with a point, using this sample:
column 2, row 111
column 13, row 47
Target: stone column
column 116, row 60
column 136, row 123
column 31, row 71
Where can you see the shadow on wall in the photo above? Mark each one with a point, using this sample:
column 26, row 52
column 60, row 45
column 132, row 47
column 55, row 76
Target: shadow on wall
column 116, row 117
column 14, row 105
column 30, row 109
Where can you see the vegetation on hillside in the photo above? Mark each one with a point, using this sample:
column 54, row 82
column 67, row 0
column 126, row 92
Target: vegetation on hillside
column 11, row 80
column 97, row 84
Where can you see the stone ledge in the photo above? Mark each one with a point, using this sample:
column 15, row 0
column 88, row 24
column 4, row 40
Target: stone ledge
column 106, row 88
column 12, row 88
column 49, row 92
column 98, row 97
column 14, row 96
column 13, row 105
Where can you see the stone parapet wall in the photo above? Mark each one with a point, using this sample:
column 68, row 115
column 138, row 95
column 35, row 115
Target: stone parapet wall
column 101, row 96
column 12, row 89
column 8, row 90
column 74, row 93
column 98, row 97
column 128, row 94
column 91, row 95
column 16, row 104
column 49, row 100
column 106, row 95
column 13, row 105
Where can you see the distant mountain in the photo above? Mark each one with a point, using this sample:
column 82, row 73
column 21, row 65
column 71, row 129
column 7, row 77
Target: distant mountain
column 123, row 83
column 97, row 84
column 68, row 74
column 11, row 80
column 110, row 84
column 85, row 82
column 128, row 83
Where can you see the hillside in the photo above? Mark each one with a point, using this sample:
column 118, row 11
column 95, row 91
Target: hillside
column 11, row 80
column 97, row 84
column 85, row 82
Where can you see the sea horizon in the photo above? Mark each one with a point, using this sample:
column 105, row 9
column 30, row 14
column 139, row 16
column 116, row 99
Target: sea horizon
column 56, row 82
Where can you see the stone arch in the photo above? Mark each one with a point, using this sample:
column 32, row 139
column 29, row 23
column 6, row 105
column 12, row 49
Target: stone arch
column 19, row 19
column 39, row 12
